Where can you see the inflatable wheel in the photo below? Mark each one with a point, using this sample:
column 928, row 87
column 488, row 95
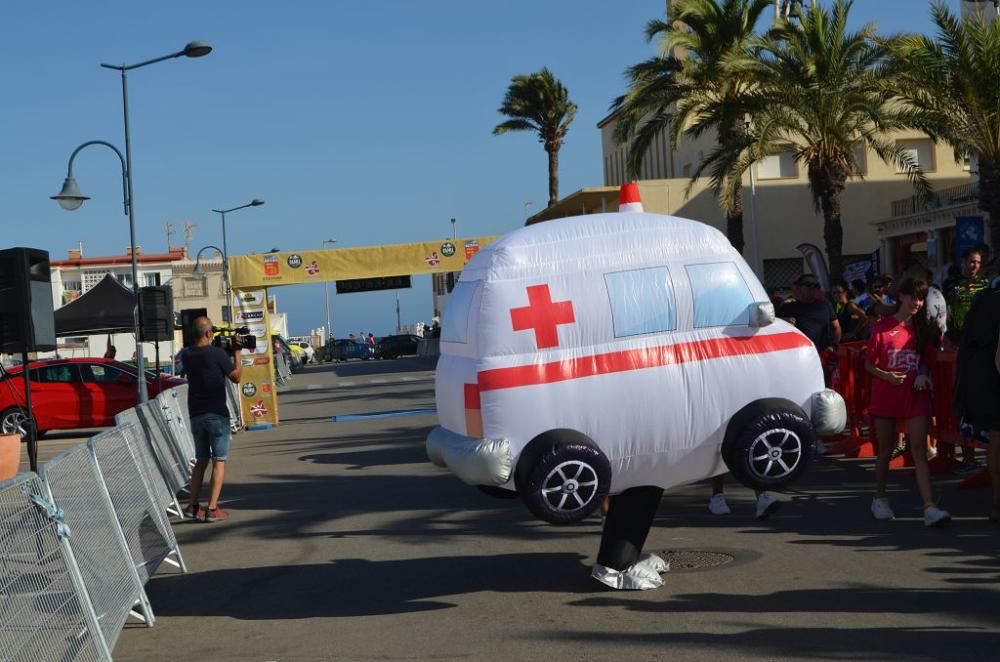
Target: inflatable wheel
column 497, row 492
column 771, row 450
column 563, row 481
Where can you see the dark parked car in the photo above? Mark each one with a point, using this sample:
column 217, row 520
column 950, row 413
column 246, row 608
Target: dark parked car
column 344, row 349
column 399, row 345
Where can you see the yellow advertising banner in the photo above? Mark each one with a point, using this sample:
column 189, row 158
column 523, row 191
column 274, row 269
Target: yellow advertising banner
column 258, row 391
column 317, row 266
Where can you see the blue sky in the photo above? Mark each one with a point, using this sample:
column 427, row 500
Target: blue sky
column 366, row 122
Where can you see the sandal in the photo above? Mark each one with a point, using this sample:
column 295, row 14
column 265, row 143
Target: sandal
column 900, row 449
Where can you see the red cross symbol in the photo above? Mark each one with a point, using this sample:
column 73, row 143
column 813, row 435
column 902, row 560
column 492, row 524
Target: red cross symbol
column 543, row 315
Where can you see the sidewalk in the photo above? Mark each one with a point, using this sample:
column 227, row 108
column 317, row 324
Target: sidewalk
column 345, row 543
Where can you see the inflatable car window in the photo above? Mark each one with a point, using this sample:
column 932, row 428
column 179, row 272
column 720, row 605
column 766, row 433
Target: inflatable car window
column 588, row 355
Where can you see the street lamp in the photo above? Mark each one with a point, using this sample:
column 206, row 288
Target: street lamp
column 198, row 272
column 454, row 230
column 70, row 198
column 326, row 294
column 256, row 202
column 757, row 266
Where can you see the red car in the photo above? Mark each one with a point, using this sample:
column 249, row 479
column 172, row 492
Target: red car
column 72, row 393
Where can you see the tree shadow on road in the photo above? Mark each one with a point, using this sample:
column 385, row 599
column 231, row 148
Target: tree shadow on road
column 358, row 587
column 805, row 643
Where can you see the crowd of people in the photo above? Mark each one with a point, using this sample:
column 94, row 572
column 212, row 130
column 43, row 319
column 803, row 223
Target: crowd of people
column 903, row 322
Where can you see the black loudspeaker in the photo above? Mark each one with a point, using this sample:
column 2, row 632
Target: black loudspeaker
column 26, row 320
column 188, row 316
column 157, row 313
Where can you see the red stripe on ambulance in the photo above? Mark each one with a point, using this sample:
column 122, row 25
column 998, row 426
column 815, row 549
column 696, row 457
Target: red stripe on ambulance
column 637, row 359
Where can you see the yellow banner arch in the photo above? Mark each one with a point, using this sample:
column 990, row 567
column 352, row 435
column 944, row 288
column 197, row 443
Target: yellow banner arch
column 251, row 275
column 319, row 265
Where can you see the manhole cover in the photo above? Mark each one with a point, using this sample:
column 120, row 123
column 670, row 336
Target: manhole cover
column 694, row 560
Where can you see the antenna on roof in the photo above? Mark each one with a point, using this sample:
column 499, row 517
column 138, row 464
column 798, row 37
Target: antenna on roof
column 170, row 233
column 188, row 234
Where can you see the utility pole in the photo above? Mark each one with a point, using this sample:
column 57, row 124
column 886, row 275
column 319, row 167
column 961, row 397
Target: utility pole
column 454, row 234
column 170, row 233
column 399, row 325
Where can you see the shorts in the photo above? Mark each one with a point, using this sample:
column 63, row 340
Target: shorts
column 211, row 434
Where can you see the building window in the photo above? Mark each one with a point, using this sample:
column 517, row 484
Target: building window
column 861, row 159
column 642, row 301
column 72, row 285
column 778, row 166
column 721, row 296
column 125, row 279
column 780, row 273
column 151, row 279
column 921, row 151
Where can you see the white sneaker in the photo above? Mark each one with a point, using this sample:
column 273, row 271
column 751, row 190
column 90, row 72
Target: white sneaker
column 881, row 509
column 767, row 505
column 717, row 505
column 934, row 516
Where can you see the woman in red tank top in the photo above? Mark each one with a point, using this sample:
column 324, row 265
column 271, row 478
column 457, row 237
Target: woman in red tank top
column 898, row 358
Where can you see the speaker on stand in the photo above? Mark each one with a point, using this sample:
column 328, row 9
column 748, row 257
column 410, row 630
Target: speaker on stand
column 157, row 323
column 27, row 322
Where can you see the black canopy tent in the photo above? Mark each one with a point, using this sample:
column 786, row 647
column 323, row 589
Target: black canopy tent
column 108, row 307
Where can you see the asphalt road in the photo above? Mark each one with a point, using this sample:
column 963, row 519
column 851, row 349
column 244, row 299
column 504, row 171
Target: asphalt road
column 345, row 543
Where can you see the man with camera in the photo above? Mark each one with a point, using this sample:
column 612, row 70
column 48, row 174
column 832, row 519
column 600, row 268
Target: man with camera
column 208, row 367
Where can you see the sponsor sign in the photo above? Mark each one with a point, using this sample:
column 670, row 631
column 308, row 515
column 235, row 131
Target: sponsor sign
column 262, row 360
column 294, row 260
column 447, row 249
column 250, row 316
column 265, row 387
column 259, row 410
column 250, row 298
column 471, row 248
column 249, row 389
column 272, row 267
column 246, row 361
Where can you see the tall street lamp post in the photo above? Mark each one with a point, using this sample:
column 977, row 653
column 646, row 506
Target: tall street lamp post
column 70, row 198
column 757, row 266
column 256, row 202
column 326, row 295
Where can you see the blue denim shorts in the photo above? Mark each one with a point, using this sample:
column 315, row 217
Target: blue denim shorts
column 211, row 436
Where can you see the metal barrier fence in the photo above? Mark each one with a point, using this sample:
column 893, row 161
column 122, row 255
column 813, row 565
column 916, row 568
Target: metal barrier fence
column 173, row 406
column 233, row 404
column 145, row 527
column 175, row 467
column 45, row 610
column 282, row 369
column 75, row 485
column 164, row 493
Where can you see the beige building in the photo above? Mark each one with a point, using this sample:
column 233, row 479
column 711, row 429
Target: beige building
column 786, row 216
column 878, row 210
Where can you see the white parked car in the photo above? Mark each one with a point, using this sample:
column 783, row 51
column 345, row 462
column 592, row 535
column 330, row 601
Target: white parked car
column 584, row 356
column 306, row 346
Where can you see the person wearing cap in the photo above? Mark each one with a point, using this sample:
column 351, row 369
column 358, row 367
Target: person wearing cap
column 812, row 314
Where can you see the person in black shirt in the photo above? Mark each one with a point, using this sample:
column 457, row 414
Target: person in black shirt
column 207, row 368
column 812, row 314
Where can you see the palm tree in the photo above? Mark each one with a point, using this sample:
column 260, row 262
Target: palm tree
column 821, row 93
column 539, row 102
column 694, row 92
column 951, row 87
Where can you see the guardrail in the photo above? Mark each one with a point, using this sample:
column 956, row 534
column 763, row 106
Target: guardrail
column 79, row 542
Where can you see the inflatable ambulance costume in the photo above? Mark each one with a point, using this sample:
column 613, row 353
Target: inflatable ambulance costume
column 586, row 356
